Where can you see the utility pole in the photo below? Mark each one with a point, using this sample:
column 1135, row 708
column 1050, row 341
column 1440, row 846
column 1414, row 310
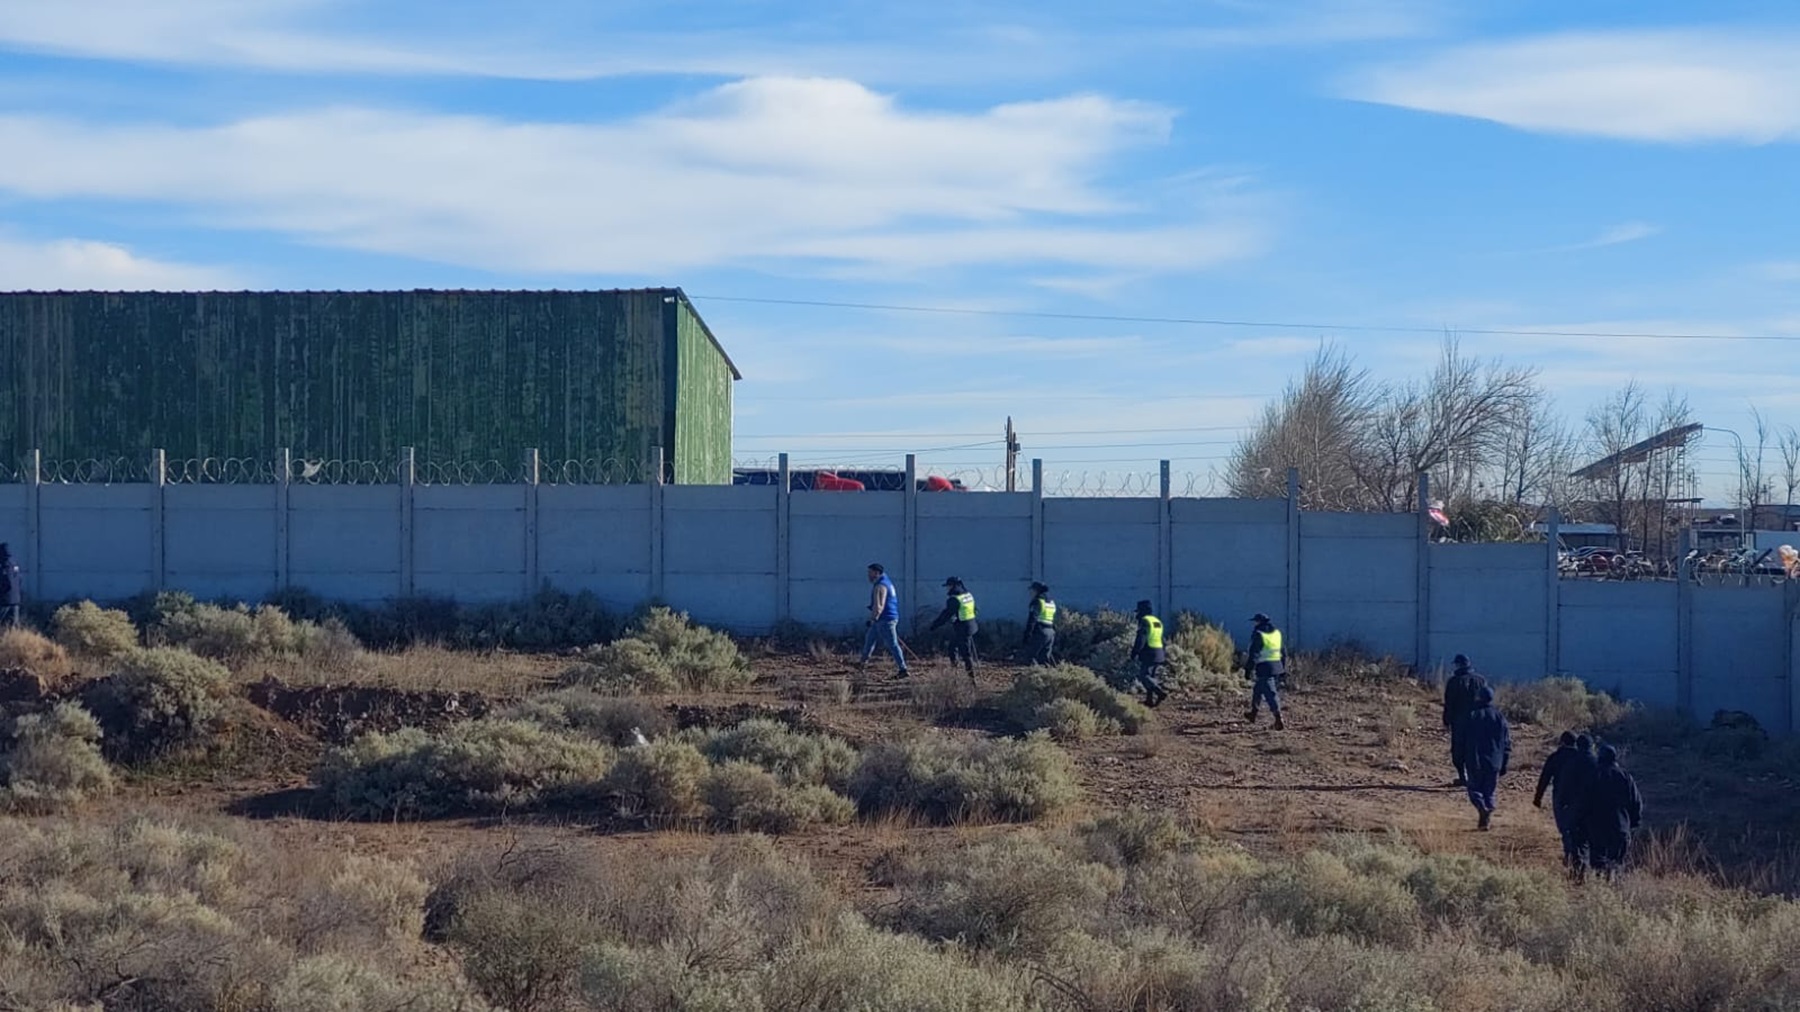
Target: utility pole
column 1012, row 457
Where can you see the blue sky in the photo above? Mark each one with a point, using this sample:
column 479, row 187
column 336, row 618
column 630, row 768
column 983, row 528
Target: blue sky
column 1407, row 164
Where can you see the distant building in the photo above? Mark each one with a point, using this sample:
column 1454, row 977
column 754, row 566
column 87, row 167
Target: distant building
column 463, row 377
column 1576, row 535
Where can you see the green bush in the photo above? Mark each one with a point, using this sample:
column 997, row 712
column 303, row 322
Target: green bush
column 1322, row 895
column 1078, row 634
column 159, row 701
column 521, row 954
column 241, row 633
column 664, row 652
column 1133, row 837
column 1068, row 720
column 54, row 761
column 479, row 766
column 606, row 719
column 1028, row 702
column 744, row 796
column 796, row 758
column 661, row 779
column 947, row 780
column 92, row 631
column 1559, row 704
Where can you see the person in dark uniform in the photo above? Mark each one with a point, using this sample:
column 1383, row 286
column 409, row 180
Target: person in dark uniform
column 1613, row 808
column 959, row 607
column 1148, row 650
column 12, row 589
column 1459, row 699
column 1040, row 627
column 1266, row 663
column 1487, row 744
column 1568, row 774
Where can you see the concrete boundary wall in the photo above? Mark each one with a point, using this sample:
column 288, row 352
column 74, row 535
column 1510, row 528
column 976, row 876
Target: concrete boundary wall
column 750, row 557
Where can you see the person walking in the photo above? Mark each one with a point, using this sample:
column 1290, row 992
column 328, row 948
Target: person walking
column 959, row 607
column 1040, row 627
column 1487, row 743
column 884, row 619
column 1612, row 809
column 1147, row 649
column 1265, row 662
column 1569, row 775
column 12, row 589
column 1459, row 699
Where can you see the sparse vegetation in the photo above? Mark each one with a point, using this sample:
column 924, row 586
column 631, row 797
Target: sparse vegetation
column 88, row 630
column 607, row 719
column 948, row 780
column 241, row 634
column 1207, row 642
column 1079, row 633
column 479, row 766
column 27, row 650
column 1559, row 704
column 551, row 619
column 796, row 758
column 159, row 701
column 54, row 761
column 1039, row 698
column 664, row 652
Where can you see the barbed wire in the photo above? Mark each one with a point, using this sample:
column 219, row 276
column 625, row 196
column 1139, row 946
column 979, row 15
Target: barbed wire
column 604, row 471
column 1067, row 483
column 220, row 471
column 477, row 472
column 92, row 471
column 343, row 472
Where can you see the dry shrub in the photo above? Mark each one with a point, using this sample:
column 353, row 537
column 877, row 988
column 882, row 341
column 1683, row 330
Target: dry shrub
column 936, row 693
column 89, row 630
column 1559, row 703
column 479, row 766
column 337, row 983
column 664, row 652
column 22, row 648
column 1025, row 702
column 796, row 758
column 54, row 761
column 522, row 955
column 1014, row 896
column 744, row 796
column 948, row 780
column 1206, row 642
column 1132, row 837
column 607, row 719
column 856, row 966
column 1401, row 719
column 1068, row 720
column 1321, row 895
column 1079, row 633
column 242, row 634
column 661, row 779
column 160, row 701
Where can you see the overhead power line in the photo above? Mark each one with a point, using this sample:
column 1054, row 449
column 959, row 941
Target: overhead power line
column 1259, row 324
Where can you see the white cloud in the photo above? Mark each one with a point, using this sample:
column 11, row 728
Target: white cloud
column 86, row 264
column 813, row 170
column 1687, row 85
column 1616, row 235
column 1782, row 272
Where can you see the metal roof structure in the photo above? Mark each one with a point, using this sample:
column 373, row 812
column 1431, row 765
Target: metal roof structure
column 1637, row 453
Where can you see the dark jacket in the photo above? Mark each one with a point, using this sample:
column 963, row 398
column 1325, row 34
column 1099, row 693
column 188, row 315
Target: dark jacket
column 1613, row 806
column 1568, row 772
column 10, row 583
column 1459, row 695
column 1486, row 738
column 949, row 615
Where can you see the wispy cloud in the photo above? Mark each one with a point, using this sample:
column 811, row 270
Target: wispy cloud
column 1780, row 271
column 80, row 263
column 1616, row 235
column 1682, row 85
column 810, row 170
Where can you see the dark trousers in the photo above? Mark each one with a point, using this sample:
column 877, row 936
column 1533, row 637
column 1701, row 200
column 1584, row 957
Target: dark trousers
column 9, row 616
column 962, row 644
column 1146, row 676
column 1456, row 753
column 1484, row 781
column 1265, row 692
column 1574, row 836
column 1040, row 646
column 1606, row 848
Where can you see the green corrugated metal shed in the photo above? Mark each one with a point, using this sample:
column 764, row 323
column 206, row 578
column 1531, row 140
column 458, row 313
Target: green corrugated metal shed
column 464, row 377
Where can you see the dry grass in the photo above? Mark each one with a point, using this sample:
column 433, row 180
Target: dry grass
column 22, row 648
column 424, row 668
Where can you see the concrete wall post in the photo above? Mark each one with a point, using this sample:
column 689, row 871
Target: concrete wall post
column 159, row 520
column 784, row 570
column 408, row 477
column 284, row 478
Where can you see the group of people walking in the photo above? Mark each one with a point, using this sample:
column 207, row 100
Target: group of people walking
column 1595, row 802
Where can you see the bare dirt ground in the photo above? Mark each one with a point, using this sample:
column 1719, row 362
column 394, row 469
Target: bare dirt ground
column 1355, row 758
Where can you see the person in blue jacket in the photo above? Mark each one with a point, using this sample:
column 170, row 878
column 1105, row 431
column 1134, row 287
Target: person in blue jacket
column 884, row 618
column 1487, row 744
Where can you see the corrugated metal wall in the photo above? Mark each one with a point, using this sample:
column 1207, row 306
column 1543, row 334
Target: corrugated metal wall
column 702, row 404
column 461, row 376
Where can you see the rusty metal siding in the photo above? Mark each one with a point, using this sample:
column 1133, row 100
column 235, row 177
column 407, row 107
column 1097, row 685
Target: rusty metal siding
column 462, row 376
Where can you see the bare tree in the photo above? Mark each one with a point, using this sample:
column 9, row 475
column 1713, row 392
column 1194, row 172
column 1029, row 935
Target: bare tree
column 1612, row 427
column 1536, row 454
column 1789, row 447
column 1665, row 475
column 1754, row 487
column 1315, row 426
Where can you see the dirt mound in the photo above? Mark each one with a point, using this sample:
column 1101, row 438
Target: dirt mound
column 339, row 713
